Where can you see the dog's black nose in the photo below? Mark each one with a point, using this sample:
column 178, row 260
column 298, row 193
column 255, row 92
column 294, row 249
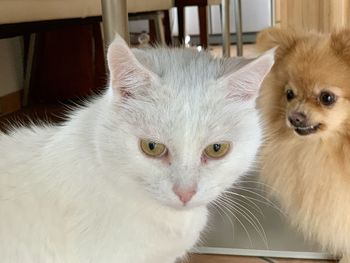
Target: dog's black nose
column 297, row 119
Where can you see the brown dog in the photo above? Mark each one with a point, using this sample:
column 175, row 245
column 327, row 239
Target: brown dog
column 305, row 105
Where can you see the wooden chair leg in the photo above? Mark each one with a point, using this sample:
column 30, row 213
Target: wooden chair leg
column 167, row 28
column 181, row 23
column 152, row 32
column 28, row 67
column 203, row 25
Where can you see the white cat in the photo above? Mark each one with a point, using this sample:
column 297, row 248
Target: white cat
column 128, row 177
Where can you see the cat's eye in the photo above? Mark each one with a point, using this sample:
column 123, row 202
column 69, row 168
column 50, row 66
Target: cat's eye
column 327, row 98
column 152, row 148
column 217, row 150
column 290, row 94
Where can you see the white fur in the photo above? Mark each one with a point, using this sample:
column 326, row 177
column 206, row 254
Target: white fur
column 84, row 192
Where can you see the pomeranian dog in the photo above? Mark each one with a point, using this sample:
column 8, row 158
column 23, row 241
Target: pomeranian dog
column 305, row 105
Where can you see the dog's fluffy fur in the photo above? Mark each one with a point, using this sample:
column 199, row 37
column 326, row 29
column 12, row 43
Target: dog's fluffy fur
column 310, row 174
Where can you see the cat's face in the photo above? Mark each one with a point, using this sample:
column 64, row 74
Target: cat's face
column 187, row 126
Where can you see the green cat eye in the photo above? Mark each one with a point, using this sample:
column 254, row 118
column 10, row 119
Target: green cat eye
column 217, row 150
column 152, row 149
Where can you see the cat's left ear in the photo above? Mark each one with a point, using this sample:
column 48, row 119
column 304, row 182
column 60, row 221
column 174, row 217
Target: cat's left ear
column 245, row 83
column 128, row 76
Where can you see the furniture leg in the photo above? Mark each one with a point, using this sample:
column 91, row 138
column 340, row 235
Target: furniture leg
column 159, row 28
column 181, row 23
column 167, row 28
column 238, row 19
column 115, row 20
column 203, row 25
column 28, row 68
column 226, row 27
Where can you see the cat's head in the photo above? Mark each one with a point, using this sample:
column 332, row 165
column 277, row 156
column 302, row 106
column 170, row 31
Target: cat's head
column 182, row 125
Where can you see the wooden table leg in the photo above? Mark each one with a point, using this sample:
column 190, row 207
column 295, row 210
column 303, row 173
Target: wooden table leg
column 181, row 23
column 167, row 28
column 203, row 25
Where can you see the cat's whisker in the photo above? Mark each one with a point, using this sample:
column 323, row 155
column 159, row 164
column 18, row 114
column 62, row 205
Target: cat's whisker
column 212, row 204
column 268, row 203
column 249, row 199
column 228, row 217
column 249, row 216
column 259, row 231
column 255, row 189
column 239, row 221
column 253, row 193
column 246, row 201
column 243, row 200
column 259, row 183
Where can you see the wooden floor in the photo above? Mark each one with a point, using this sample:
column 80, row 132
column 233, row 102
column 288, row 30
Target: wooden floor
column 236, row 259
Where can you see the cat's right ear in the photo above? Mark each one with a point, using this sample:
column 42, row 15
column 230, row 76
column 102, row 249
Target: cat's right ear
column 127, row 75
column 244, row 84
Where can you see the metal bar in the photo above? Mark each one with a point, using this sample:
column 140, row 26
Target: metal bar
column 160, row 28
column 226, row 28
column 238, row 20
column 115, row 20
column 210, row 19
column 273, row 12
column 262, row 253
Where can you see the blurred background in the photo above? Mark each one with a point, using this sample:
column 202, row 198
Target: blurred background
column 52, row 55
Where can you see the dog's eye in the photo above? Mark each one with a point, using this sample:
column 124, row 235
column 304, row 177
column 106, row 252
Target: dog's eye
column 327, row 98
column 290, row 94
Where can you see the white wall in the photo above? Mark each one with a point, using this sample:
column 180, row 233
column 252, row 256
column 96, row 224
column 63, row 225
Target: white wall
column 256, row 15
column 11, row 65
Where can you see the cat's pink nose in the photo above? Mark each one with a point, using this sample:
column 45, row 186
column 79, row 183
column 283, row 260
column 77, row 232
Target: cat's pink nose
column 185, row 194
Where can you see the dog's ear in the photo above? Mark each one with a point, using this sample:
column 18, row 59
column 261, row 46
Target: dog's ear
column 340, row 43
column 275, row 37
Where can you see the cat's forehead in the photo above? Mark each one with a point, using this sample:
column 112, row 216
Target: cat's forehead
column 189, row 102
column 188, row 117
column 185, row 72
column 185, row 64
